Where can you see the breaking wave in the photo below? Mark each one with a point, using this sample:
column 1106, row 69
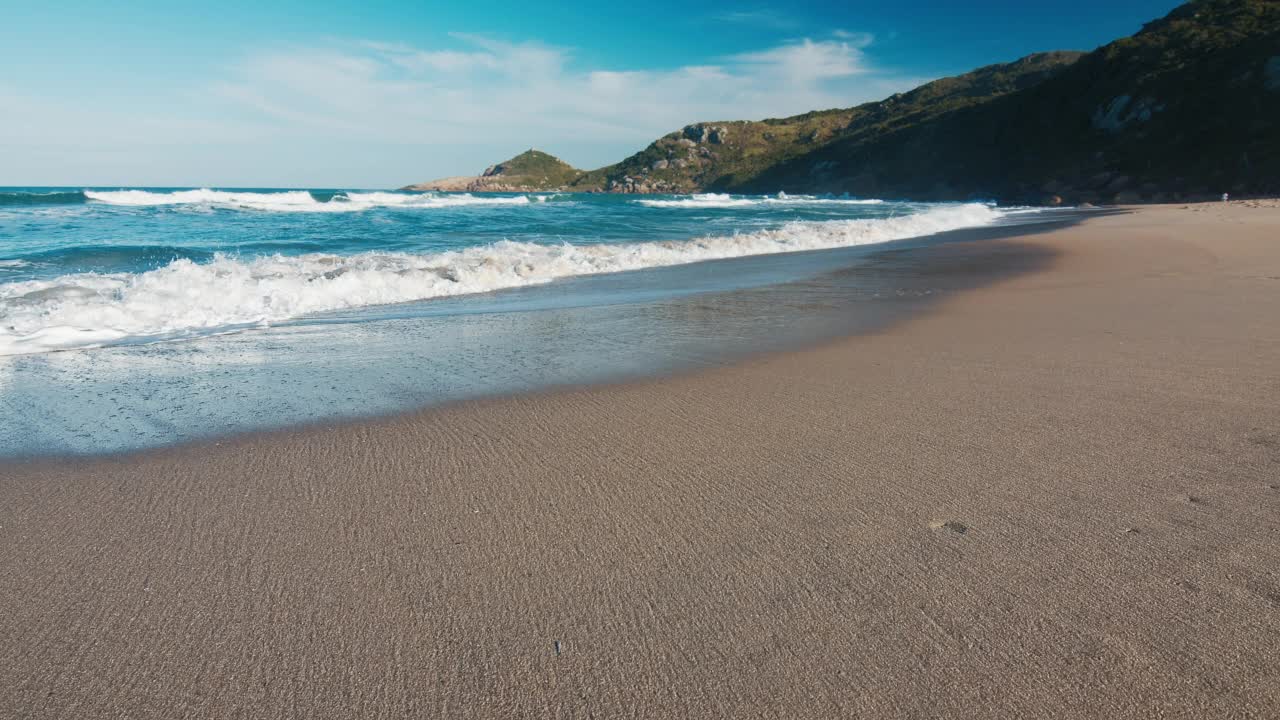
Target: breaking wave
column 295, row 200
column 186, row 298
column 724, row 200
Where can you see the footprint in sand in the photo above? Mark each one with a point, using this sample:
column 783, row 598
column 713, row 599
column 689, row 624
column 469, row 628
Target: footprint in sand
column 954, row 526
column 1268, row 592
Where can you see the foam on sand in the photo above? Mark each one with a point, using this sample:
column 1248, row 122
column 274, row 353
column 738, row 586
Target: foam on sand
column 186, row 299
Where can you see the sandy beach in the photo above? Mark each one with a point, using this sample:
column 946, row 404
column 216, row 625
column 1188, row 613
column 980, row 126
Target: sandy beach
column 1056, row 495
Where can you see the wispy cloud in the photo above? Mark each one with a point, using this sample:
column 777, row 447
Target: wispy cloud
column 856, row 39
column 759, row 17
column 400, row 93
column 807, row 61
column 384, row 111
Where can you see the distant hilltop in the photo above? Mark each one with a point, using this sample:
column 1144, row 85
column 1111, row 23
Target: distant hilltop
column 530, row 171
column 1187, row 108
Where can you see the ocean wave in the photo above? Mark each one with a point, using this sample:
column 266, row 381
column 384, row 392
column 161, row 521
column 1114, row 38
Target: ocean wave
column 22, row 198
column 724, row 200
column 295, row 200
column 187, row 299
column 386, row 199
column 14, row 263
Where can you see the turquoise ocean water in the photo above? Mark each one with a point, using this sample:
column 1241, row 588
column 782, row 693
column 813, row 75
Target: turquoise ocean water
column 136, row 317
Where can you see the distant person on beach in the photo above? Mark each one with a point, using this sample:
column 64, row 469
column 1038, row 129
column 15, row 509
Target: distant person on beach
column 1226, row 197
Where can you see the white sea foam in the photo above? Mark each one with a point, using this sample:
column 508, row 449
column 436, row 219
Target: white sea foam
column 294, row 201
column 705, row 200
column 13, row 263
column 185, row 299
column 362, row 201
column 724, row 200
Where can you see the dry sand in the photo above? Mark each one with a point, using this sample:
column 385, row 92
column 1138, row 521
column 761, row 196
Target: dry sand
column 1056, row 496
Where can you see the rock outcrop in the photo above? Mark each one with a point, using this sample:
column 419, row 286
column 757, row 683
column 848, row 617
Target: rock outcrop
column 1122, row 112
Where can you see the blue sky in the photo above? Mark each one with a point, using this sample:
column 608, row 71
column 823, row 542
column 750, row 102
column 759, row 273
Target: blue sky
column 380, row 94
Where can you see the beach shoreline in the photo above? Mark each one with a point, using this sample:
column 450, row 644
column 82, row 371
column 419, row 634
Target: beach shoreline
column 388, row 360
column 1050, row 495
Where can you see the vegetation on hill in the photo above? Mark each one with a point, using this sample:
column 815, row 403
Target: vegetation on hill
column 535, row 167
column 1187, row 107
column 708, row 156
column 726, row 156
column 530, row 171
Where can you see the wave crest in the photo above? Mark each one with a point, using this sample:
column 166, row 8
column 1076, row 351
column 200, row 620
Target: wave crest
column 294, row 200
column 724, row 200
column 186, row 298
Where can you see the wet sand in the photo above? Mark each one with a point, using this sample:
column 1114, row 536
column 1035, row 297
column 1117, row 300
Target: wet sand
column 1057, row 495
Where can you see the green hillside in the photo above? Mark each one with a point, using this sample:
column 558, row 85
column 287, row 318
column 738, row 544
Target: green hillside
column 534, row 167
column 1187, row 107
column 530, row 171
column 730, row 155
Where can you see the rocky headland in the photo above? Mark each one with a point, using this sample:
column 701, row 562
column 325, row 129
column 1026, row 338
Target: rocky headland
column 1186, row 109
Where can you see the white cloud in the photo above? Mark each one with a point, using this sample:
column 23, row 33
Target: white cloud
column 807, row 61
column 396, row 93
column 382, row 113
column 856, row 39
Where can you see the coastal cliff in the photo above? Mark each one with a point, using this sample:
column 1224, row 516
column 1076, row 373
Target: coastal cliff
column 735, row 156
column 1187, row 108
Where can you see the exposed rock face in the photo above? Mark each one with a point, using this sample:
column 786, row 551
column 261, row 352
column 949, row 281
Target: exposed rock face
column 1108, row 117
column 640, row 185
column 700, row 133
column 460, row 183
column 696, row 133
column 1122, row 112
